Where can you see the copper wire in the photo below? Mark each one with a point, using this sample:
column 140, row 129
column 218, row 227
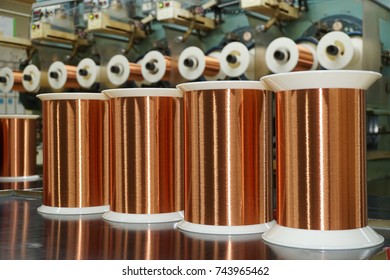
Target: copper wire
column 18, row 81
column 228, row 163
column 135, row 72
column 212, row 67
column 305, row 59
column 18, row 146
column 146, row 155
column 71, row 81
column 321, row 159
column 75, row 153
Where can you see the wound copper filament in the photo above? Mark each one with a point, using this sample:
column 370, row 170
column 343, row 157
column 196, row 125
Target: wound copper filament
column 228, row 163
column 18, row 145
column 75, row 151
column 146, row 154
column 321, row 161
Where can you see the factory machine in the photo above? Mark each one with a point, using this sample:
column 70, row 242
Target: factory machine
column 85, row 46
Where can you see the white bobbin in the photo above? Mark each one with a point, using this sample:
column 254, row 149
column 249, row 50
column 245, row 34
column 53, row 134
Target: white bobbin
column 160, row 64
column 122, row 64
column 92, row 73
column 34, row 83
column 241, row 54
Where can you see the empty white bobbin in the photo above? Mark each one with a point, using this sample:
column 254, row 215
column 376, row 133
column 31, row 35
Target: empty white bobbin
column 88, row 73
column 235, row 59
column 335, row 50
column 118, row 70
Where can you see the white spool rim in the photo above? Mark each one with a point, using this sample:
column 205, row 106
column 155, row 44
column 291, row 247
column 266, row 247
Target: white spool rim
column 144, row 226
column 19, row 179
column 243, row 58
column 118, row 79
column 143, row 218
column 93, row 73
column 73, row 210
column 142, row 92
column 224, row 230
column 339, row 61
column 35, row 84
column 223, row 237
column 72, row 96
column 216, row 85
column 285, row 45
column 7, row 72
column 355, row 79
column 323, row 239
column 59, row 68
column 19, row 116
column 160, row 63
column 221, row 75
column 72, row 217
column 196, row 71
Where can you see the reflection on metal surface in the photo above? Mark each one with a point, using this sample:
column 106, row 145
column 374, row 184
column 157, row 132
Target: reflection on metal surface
column 75, row 152
column 224, row 247
column 144, row 241
column 321, row 159
column 146, row 154
column 228, row 157
column 77, row 237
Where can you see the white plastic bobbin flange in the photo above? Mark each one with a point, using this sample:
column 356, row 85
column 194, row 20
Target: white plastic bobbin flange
column 357, row 60
column 44, row 209
column 31, row 78
column 118, row 70
column 57, row 75
column 192, row 63
column 235, row 59
column 143, row 218
column 153, row 67
column 7, row 79
column 335, row 50
column 221, row 75
column 282, row 55
column 225, row 230
column 88, row 73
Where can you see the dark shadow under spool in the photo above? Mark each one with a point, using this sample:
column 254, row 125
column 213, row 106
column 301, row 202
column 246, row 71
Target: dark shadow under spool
column 228, row 162
column 146, row 155
column 75, row 153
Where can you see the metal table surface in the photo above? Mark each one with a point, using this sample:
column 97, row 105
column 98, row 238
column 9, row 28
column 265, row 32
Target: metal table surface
column 26, row 235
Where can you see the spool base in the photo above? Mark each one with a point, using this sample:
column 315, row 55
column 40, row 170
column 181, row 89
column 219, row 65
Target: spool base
column 323, row 239
column 19, row 179
column 226, row 230
column 143, row 218
column 73, row 210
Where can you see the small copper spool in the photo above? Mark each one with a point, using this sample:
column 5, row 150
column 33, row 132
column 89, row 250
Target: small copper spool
column 321, row 160
column 146, row 155
column 18, row 137
column 228, row 162
column 75, row 153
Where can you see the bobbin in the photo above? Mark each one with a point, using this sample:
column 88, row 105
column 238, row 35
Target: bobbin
column 75, row 151
column 18, row 148
column 218, row 197
column 88, row 73
column 320, row 205
column 235, row 59
column 6, row 79
column 336, row 50
column 283, row 54
column 57, row 75
column 146, row 141
column 221, row 75
column 154, row 66
column 118, row 70
column 31, row 78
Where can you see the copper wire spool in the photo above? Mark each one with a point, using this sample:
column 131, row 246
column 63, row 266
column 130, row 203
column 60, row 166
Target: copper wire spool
column 321, row 160
column 135, row 72
column 212, row 66
column 74, row 237
column 158, row 241
column 62, row 77
column 146, row 155
column 228, row 162
column 157, row 67
column 18, row 81
column 75, row 153
column 305, row 59
column 18, row 148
